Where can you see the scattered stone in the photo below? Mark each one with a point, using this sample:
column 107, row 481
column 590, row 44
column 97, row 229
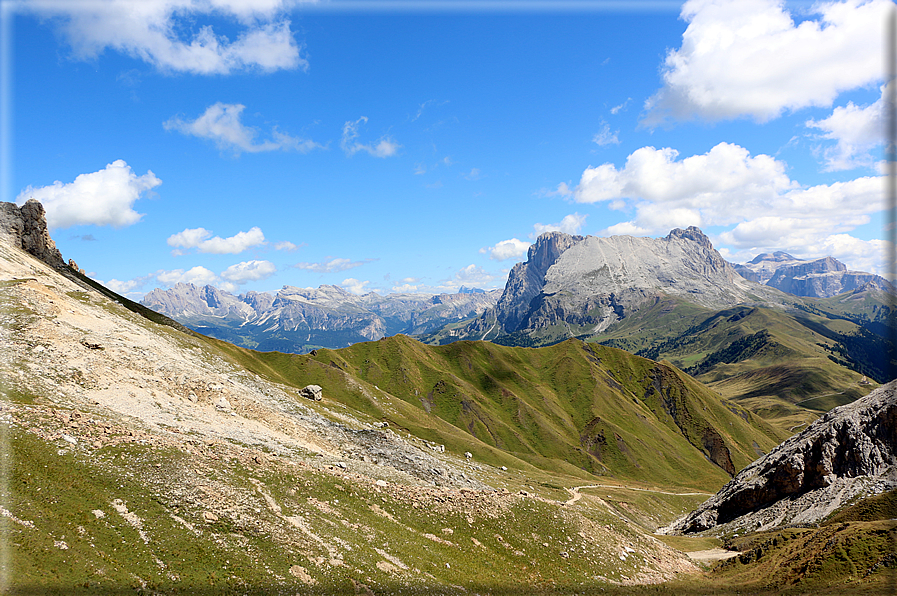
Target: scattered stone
column 302, row 574
column 312, row 392
column 468, row 454
column 209, row 516
column 98, row 513
column 222, row 404
column 192, row 398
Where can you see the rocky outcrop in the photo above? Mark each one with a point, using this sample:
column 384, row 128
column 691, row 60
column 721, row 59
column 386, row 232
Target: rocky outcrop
column 585, row 284
column 25, row 227
column 848, row 453
column 762, row 267
column 820, row 278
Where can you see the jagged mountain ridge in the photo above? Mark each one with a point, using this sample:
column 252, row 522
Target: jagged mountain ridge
column 819, row 278
column 581, row 285
column 299, row 319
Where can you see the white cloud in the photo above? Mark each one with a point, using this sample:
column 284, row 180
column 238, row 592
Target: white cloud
column 285, row 245
column 385, row 147
column 571, row 224
column 506, row 249
column 474, row 174
column 605, row 136
column 722, row 183
column 856, row 130
column 858, row 255
column 152, row 31
column 616, row 109
column 103, row 198
column 354, row 286
column 197, row 275
column 472, row 275
column 246, row 271
column 728, row 187
column 405, row 288
column 221, row 123
column 128, row 288
column 749, row 58
column 337, row 264
column 200, row 239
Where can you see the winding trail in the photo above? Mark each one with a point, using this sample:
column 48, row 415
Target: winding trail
column 575, row 494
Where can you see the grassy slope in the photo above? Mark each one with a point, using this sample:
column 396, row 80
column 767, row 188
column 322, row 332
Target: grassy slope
column 584, row 410
column 56, row 542
column 778, row 364
column 855, row 551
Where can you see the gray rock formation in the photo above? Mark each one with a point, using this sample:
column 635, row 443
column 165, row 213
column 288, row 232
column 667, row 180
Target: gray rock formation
column 850, row 452
column 820, row 278
column 312, row 392
column 761, row 268
column 823, row 278
column 589, row 283
column 25, row 227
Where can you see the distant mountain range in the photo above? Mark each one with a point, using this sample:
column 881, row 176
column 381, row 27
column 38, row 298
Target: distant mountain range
column 675, row 298
column 820, row 278
column 301, row 319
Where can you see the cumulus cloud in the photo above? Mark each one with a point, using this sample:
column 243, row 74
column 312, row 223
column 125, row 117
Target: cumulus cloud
column 158, row 32
column 202, row 240
column 571, row 224
column 720, row 184
column 728, row 187
column 384, row 147
column 473, row 275
column 130, row 288
column 246, row 271
column 228, row 280
column 222, row 124
column 337, row 264
column 856, row 131
column 103, row 198
column 197, row 275
column 749, row 58
column 354, row 286
column 506, row 249
column 514, row 248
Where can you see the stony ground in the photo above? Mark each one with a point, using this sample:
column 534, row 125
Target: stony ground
column 195, row 450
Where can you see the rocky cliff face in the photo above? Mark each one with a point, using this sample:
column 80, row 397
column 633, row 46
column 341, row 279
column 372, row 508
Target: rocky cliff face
column 25, row 227
column 820, row 278
column 762, row 267
column 849, row 452
column 591, row 283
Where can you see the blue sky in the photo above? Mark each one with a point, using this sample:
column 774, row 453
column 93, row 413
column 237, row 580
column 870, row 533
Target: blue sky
column 420, row 146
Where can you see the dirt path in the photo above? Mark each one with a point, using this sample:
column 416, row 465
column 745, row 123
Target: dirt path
column 575, row 495
column 712, row 555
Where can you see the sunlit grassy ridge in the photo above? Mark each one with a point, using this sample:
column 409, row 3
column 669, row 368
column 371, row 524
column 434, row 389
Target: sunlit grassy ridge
column 584, row 409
